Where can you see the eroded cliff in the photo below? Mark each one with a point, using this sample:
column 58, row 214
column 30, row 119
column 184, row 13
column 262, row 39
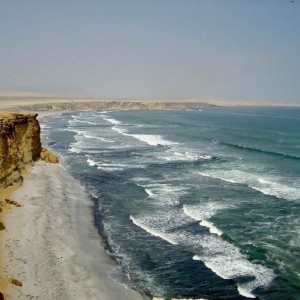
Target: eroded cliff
column 20, row 144
column 113, row 105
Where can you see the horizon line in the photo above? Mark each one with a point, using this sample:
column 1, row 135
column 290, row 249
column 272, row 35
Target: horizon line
column 8, row 95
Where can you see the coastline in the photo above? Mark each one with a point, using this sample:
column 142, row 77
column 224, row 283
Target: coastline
column 51, row 244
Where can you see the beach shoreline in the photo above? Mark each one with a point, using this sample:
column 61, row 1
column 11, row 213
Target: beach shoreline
column 51, row 248
column 51, row 243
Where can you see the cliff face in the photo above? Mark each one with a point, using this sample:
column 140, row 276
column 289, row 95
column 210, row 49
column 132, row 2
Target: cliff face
column 19, row 144
column 113, row 105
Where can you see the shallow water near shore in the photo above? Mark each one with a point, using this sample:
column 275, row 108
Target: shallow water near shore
column 192, row 203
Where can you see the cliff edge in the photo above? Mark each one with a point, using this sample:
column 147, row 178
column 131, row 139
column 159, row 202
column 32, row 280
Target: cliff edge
column 113, row 105
column 20, row 144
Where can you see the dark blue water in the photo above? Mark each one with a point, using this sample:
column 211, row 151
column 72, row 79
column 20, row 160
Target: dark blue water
column 200, row 203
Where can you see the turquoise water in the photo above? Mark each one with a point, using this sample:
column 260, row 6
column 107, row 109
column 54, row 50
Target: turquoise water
column 192, row 203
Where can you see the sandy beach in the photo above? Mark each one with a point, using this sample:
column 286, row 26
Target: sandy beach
column 5, row 208
column 51, row 244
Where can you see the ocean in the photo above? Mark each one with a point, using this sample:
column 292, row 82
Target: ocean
column 192, row 203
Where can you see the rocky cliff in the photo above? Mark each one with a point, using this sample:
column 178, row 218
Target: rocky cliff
column 20, row 145
column 113, row 105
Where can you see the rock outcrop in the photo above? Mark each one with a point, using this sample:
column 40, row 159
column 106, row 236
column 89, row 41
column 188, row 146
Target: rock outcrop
column 48, row 156
column 20, row 145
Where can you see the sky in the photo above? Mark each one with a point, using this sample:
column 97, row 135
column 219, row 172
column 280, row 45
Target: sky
column 232, row 50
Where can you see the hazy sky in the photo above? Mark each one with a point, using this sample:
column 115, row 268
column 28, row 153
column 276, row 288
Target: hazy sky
column 221, row 49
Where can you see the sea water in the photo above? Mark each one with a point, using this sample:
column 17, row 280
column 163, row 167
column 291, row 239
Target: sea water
column 192, row 203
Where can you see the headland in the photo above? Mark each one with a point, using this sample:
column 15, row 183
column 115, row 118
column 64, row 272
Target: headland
column 96, row 104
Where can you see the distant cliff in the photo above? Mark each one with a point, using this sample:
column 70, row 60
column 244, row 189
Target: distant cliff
column 112, row 105
column 20, row 145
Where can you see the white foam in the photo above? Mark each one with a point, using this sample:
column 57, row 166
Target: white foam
column 109, row 167
column 212, row 228
column 84, row 121
column 174, row 156
column 74, row 149
column 190, row 155
column 43, row 126
column 153, row 232
column 113, row 121
column 153, row 140
column 149, row 192
column 171, row 155
column 164, row 194
column 80, row 121
column 74, row 130
column 270, row 186
column 205, row 156
column 85, row 141
column 105, row 111
column 98, row 138
column 91, row 162
column 77, row 146
column 163, row 223
column 223, row 258
column 204, row 211
column 228, row 262
column 244, row 292
column 278, row 190
column 119, row 130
